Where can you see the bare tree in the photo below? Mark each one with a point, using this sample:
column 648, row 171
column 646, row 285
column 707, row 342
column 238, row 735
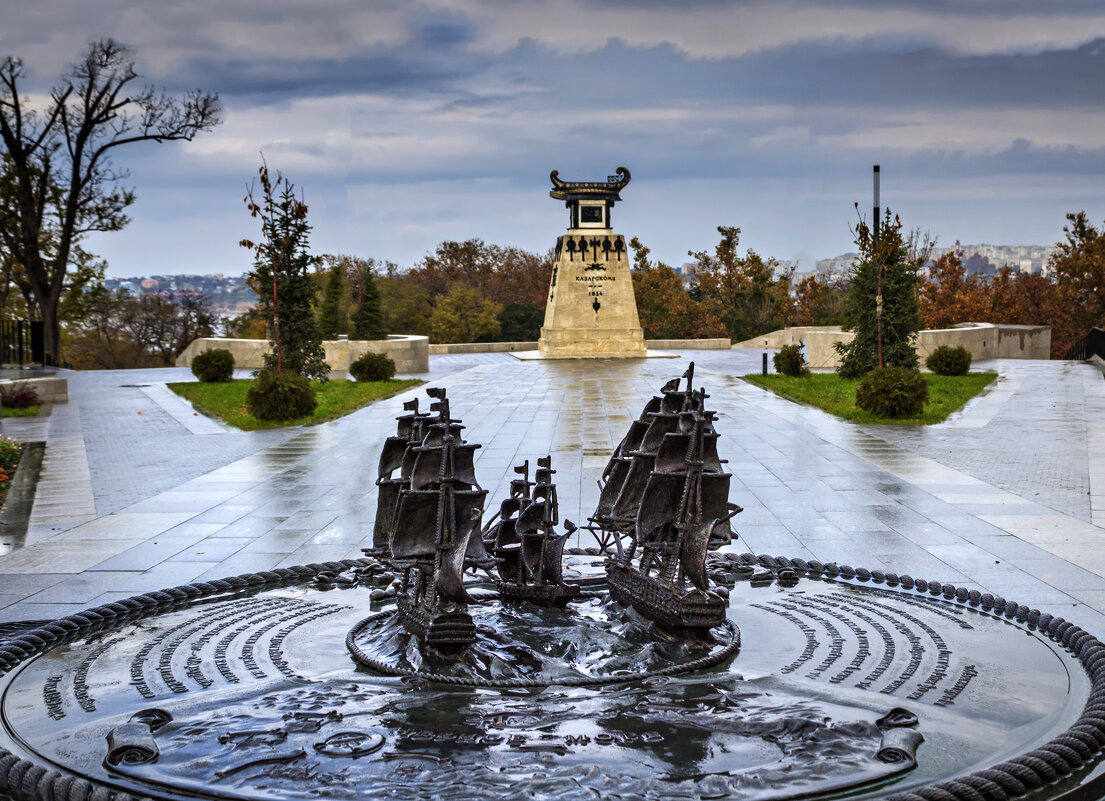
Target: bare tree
column 61, row 184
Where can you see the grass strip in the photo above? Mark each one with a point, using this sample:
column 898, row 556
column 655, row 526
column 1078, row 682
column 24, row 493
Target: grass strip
column 336, row 398
column 28, row 411
column 836, row 395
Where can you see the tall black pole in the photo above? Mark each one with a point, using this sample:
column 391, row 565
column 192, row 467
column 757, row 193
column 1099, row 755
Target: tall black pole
column 876, row 215
column 878, row 266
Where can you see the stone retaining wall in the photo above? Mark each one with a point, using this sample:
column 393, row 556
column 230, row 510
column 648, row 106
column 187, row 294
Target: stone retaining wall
column 513, row 347
column 983, row 340
column 481, row 347
column 688, row 344
column 411, row 354
column 49, row 389
column 773, row 340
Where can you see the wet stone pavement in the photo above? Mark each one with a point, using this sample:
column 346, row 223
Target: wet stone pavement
column 1007, row 496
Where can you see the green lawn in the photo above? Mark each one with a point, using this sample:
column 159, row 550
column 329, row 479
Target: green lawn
column 837, row 395
column 336, row 398
column 30, row 411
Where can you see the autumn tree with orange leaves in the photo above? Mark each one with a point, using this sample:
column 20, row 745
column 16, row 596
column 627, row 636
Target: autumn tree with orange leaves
column 1079, row 268
column 949, row 297
column 665, row 309
column 741, row 291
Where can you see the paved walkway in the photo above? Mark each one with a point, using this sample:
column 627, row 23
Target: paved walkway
column 139, row 493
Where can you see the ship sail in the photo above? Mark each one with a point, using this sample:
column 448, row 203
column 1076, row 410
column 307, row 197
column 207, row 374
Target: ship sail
column 533, row 545
column 672, row 455
column 416, row 525
column 429, row 466
column 391, row 457
column 662, row 424
column 387, row 500
column 662, row 498
column 612, row 488
column 449, row 577
column 532, row 518
column 508, row 549
column 693, row 547
column 464, row 470
column 629, row 499
column 552, row 564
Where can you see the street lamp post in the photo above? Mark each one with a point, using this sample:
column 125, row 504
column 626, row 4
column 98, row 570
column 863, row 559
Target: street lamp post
column 878, row 265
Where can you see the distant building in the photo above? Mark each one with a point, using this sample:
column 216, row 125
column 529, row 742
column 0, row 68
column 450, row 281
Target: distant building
column 981, row 259
column 1023, row 258
column 686, row 272
column 837, row 266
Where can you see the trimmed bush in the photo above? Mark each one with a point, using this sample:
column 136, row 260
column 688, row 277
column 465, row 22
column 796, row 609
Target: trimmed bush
column 22, row 398
column 372, row 367
column 946, row 360
column 892, row 392
column 213, row 366
column 280, row 396
column 790, row 361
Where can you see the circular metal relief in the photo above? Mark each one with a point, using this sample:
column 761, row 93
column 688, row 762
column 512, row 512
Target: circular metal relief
column 841, row 682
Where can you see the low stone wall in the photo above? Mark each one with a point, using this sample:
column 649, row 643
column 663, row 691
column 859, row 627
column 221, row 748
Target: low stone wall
column 688, row 344
column 820, row 347
column 513, row 347
column 983, row 340
column 481, row 347
column 411, row 354
column 773, row 340
column 50, row 389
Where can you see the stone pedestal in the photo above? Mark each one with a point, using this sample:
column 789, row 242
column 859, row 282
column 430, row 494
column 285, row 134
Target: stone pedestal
column 591, row 311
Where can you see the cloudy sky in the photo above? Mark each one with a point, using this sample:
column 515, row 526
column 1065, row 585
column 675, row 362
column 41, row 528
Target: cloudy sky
column 407, row 123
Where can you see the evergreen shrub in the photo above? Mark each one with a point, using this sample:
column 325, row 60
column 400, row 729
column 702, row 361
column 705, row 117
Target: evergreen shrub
column 372, row 367
column 280, row 396
column 946, row 360
column 892, row 392
column 790, row 361
column 213, row 366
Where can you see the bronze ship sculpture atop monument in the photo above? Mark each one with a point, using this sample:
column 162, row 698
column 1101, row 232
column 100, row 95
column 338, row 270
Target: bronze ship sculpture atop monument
column 575, row 190
column 428, row 517
column 667, row 493
column 529, row 551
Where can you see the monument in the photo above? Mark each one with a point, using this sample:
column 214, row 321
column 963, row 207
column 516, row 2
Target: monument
column 591, row 311
column 668, row 667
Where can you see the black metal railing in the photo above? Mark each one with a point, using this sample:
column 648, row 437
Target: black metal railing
column 22, row 342
column 1093, row 344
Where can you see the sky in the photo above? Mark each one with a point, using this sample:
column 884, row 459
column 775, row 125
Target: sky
column 408, row 123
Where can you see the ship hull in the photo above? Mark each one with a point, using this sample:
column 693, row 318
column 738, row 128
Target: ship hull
column 545, row 595
column 442, row 630
column 675, row 608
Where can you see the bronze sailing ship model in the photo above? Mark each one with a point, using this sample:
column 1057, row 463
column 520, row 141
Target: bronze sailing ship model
column 524, row 541
column 425, row 521
column 665, row 491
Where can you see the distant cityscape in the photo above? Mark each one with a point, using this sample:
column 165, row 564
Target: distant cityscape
column 983, row 259
column 226, row 295
column 230, row 295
